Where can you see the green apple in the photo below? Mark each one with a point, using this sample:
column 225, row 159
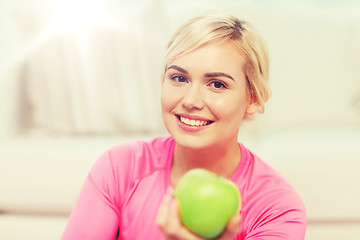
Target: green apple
column 207, row 202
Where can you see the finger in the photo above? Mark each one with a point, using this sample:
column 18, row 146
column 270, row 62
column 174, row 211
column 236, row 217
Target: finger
column 173, row 224
column 232, row 228
column 164, row 207
column 176, row 229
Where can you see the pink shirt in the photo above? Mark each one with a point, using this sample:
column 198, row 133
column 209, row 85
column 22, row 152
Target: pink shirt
column 121, row 196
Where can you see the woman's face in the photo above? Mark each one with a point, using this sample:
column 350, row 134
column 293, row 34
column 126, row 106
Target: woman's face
column 204, row 96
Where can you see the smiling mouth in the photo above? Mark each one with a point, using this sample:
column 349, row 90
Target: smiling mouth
column 194, row 123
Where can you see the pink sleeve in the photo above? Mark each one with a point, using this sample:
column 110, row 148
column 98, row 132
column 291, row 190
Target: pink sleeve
column 281, row 215
column 96, row 213
column 272, row 209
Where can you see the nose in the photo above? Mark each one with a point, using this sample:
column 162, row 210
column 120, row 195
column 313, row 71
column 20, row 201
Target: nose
column 193, row 98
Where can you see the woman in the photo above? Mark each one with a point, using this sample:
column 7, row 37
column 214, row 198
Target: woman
column 215, row 76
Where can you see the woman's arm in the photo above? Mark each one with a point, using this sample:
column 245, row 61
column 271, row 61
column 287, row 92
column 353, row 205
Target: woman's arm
column 95, row 215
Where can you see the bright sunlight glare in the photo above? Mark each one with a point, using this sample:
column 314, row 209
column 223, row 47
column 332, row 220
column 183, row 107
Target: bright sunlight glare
column 78, row 15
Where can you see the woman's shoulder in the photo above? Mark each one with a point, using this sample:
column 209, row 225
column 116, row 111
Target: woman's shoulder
column 144, row 148
column 137, row 157
column 264, row 183
column 265, row 186
column 257, row 168
column 269, row 197
column 123, row 164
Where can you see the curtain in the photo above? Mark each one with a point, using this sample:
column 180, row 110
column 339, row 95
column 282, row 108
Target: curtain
column 104, row 82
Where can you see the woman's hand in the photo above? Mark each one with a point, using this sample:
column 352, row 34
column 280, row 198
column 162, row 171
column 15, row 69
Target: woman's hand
column 168, row 220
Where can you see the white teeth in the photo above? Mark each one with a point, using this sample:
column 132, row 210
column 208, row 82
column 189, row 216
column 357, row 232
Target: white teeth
column 187, row 121
column 193, row 122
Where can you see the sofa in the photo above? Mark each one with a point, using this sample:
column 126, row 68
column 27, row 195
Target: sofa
column 64, row 102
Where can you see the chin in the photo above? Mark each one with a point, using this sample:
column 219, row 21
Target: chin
column 195, row 142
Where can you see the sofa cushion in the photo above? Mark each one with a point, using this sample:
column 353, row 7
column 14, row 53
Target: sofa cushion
column 322, row 164
column 333, row 231
column 45, row 175
column 17, row 227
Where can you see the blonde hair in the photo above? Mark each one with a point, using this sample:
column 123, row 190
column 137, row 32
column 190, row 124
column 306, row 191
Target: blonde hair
column 223, row 27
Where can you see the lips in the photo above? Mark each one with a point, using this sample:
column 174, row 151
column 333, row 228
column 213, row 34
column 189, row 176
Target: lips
column 193, row 121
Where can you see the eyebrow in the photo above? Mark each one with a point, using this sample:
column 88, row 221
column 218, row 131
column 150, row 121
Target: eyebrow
column 219, row 74
column 180, row 69
column 209, row 75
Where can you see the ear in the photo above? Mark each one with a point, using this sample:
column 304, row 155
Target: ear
column 252, row 108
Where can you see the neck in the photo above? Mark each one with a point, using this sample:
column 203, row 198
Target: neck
column 222, row 159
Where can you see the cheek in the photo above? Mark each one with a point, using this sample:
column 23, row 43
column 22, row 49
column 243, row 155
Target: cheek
column 169, row 97
column 164, row 100
column 229, row 109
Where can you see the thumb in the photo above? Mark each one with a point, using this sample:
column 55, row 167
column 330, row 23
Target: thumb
column 232, row 228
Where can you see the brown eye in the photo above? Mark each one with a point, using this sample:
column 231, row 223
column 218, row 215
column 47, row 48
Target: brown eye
column 218, row 85
column 179, row 79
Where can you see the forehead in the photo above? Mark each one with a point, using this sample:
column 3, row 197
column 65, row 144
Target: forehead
column 213, row 57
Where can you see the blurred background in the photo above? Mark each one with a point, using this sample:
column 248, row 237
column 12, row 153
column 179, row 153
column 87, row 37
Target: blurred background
column 77, row 77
